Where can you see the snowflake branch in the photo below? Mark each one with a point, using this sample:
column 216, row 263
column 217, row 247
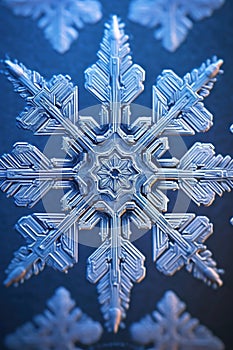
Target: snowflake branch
column 200, row 174
column 114, row 79
column 115, row 265
column 51, row 106
column 174, row 99
column 178, row 241
column 47, row 243
column 27, row 175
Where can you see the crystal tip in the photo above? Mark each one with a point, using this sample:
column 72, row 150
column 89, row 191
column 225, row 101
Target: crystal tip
column 115, row 319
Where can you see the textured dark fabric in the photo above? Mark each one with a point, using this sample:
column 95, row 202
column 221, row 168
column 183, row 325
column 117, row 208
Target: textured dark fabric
column 20, row 38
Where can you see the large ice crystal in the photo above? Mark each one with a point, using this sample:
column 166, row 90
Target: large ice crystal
column 116, row 173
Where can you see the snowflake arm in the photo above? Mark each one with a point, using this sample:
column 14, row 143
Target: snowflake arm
column 61, row 326
column 53, row 240
column 177, row 106
column 172, row 19
column 178, row 241
column 115, row 265
column 115, row 80
column 199, row 173
column 52, row 107
column 27, row 175
column 60, row 20
column 171, row 327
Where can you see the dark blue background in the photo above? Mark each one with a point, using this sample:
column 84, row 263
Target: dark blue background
column 21, row 39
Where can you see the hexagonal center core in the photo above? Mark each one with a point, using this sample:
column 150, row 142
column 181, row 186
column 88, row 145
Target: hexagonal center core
column 115, row 173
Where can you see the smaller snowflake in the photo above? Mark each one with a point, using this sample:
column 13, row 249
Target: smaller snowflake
column 171, row 18
column 60, row 19
column 60, row 327
column 115, row 174
column 171, row 328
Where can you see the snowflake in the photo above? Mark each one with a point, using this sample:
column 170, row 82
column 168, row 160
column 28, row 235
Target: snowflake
column 172, row 18
column 60, row 327
column 104, row 153
column 172, row 328
column 60, row 20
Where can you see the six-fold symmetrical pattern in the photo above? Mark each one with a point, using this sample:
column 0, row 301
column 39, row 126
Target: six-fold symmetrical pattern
column 116, row 173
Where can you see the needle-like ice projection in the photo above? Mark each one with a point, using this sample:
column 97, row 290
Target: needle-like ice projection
column 116, row 173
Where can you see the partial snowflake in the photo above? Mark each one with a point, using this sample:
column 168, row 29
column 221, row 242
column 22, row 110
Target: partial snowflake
column 116, row 173
column 172, row 18
column 231, row 129
column 62, row 327
column 172, row 328
column 60, row 19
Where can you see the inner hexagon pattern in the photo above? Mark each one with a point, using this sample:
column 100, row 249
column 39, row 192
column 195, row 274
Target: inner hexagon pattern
column 116, row 173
